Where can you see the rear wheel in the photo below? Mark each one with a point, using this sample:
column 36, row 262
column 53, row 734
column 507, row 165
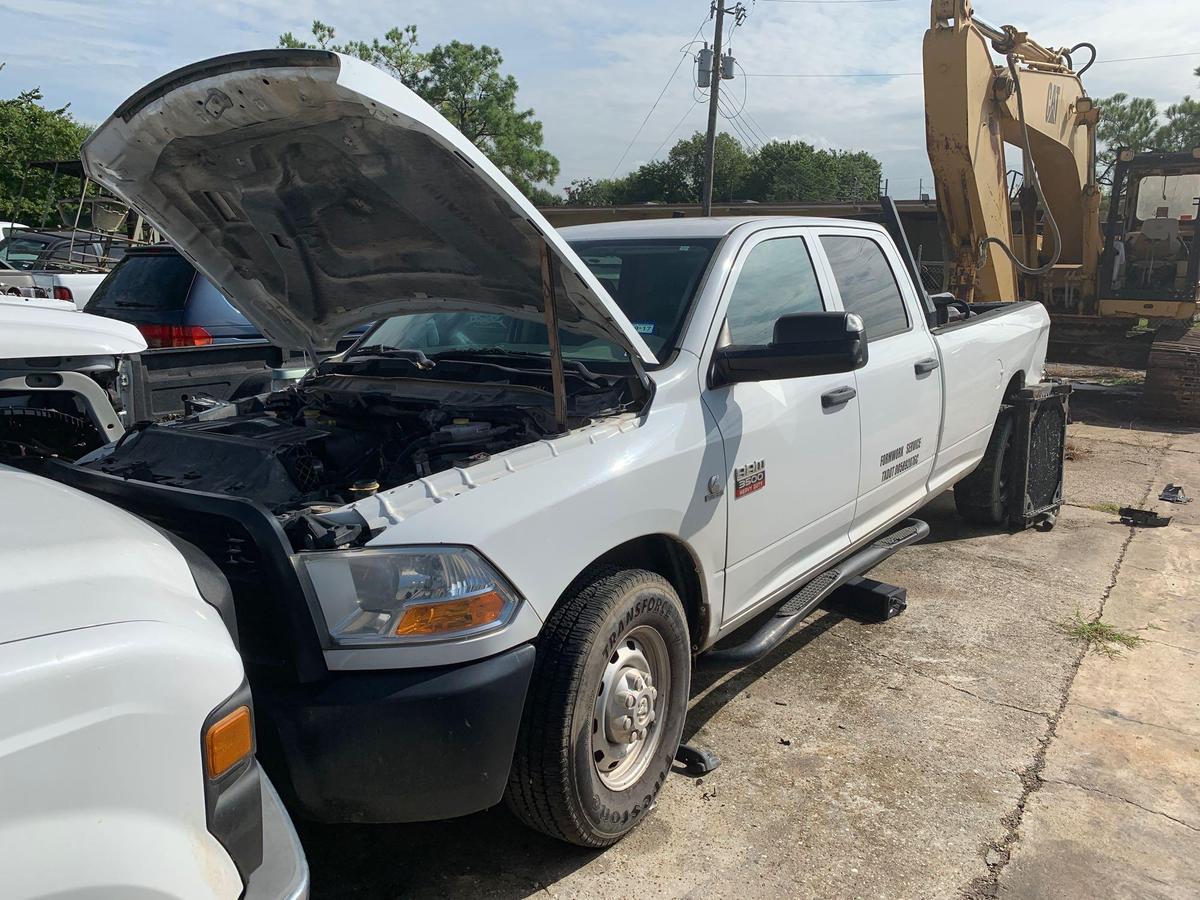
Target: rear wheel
column 983, row 496
column 605, row 708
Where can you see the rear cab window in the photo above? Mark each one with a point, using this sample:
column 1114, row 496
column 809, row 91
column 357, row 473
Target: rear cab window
column 867, row 284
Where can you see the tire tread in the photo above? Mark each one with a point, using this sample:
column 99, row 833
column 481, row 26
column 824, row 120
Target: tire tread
column 539, row 781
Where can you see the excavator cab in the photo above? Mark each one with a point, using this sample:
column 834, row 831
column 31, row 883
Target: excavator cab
column 1151, row 262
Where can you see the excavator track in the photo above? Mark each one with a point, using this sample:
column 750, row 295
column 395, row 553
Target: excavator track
column 1173, row 377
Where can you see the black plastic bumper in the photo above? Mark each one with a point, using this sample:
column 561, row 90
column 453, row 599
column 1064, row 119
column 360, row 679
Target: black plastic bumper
column 401, row 745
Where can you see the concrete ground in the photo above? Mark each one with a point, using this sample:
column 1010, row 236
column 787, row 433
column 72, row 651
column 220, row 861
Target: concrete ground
column 971, row 747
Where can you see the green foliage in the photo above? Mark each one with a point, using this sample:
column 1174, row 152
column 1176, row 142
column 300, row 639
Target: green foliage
column 28, row 132
column 396, row 54
column 1182, row 128
column 779, row 172
column 1125, row 122
column 1100, row 636
column 1134, row 122
column 465, row 84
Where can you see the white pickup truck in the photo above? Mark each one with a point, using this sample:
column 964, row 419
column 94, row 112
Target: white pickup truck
column 126, row 723
column 478, row 554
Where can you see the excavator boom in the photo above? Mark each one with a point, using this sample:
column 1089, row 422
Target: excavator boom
column 973, row 107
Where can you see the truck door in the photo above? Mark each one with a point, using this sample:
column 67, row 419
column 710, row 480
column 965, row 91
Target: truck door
column 900, row 388
column 791, row 465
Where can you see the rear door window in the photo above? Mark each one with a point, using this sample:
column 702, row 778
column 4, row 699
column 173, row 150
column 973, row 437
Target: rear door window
column 866, row 283
column 158, row 282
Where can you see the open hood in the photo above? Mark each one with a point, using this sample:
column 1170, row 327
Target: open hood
column 320, row 193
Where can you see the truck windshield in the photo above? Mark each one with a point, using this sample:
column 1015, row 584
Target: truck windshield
column 652, row 281
column 22, row 252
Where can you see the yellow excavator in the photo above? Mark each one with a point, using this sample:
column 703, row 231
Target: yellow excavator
column 1123, row 292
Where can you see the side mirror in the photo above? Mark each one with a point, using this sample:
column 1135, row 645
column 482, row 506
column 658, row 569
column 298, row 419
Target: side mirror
column 947, row 308
column 823, row 343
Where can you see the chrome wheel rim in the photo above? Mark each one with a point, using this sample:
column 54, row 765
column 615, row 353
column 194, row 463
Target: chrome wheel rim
column 626, row 720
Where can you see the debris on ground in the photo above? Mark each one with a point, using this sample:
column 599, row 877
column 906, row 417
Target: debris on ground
column 1074, row 451
column 785, row 741
column 1173, row 493
column 1142, row 518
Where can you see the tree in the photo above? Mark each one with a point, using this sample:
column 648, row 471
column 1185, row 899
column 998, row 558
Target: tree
column 731, row 164
column 1182, row 128
column 1125, row 122
column 465, row 84
column 28, row 132
column 396, row 54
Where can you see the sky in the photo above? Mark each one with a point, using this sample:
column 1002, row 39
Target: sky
column 592, row 70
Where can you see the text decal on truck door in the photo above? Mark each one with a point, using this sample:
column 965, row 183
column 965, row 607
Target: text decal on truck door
column 749, row 478
column 904, row 458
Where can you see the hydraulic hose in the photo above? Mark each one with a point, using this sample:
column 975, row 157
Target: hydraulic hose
column 1090, row 62
column 1037, row 188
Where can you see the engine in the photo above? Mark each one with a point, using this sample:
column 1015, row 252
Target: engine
column 300, row 451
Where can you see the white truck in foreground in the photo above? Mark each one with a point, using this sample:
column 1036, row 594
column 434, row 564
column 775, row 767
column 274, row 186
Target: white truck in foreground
column 477, row 555
column 127, row 761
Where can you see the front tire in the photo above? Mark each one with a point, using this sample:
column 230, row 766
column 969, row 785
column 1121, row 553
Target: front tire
column 605, row 708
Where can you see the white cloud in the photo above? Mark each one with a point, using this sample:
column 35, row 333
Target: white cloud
column 591, row 71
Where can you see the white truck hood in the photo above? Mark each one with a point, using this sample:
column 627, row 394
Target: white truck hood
column 320, row 193
column 30, row 331
column 73, row 561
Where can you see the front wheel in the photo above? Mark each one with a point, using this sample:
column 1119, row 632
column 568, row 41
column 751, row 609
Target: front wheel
column 605, row 708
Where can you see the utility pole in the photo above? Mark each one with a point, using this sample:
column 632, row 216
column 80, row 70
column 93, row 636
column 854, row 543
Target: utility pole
column 714, row 89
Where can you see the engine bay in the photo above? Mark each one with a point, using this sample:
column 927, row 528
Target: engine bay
column 342, row 435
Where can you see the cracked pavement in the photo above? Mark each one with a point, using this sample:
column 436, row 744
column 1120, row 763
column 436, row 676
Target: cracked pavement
column 970, row 747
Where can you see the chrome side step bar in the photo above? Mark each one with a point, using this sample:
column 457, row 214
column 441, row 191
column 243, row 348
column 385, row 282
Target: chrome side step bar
column 797, row 607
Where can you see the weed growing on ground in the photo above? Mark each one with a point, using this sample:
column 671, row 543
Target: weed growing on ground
column 1106, row 507
column 1100, row 636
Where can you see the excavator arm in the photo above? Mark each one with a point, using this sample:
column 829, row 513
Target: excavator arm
column 973, row 107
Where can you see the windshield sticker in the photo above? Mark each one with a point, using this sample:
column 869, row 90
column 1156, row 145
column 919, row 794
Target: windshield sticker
column 644, row 327
column 749, row 478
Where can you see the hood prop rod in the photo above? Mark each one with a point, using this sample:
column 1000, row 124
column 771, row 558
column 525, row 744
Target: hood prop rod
column 550, row 306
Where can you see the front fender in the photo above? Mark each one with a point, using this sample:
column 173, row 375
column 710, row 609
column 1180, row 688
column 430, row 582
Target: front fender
column 541, row 513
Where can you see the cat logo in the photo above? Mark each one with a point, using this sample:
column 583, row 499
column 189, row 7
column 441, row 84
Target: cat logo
column 1052, row 97
column 749, row 478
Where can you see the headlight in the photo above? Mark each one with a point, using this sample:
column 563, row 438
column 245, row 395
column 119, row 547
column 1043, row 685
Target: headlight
column 409, row 594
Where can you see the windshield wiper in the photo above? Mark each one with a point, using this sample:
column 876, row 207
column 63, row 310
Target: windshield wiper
column 416, row 357
column 571, row 365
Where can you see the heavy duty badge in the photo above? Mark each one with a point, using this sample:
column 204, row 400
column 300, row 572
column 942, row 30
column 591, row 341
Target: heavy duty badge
column 749, row 478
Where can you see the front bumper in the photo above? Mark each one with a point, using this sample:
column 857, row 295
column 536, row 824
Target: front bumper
column 283, row 874
column 400, row 745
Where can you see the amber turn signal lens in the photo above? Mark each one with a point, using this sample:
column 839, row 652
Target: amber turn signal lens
column 228, row 741
column 451, row 615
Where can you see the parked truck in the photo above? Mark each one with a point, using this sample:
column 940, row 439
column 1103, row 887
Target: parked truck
column 479, row 554
column 126, row 723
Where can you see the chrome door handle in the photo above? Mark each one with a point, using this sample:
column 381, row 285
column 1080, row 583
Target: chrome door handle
column 925, row 366
column 838, row 396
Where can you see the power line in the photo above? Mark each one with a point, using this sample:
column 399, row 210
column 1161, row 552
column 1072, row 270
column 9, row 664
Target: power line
column 758, row 129
column 682, row 56
column 738, row 128
column 829, row 2
column 1100, row 62
column 735, row 122
column 671, row 133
